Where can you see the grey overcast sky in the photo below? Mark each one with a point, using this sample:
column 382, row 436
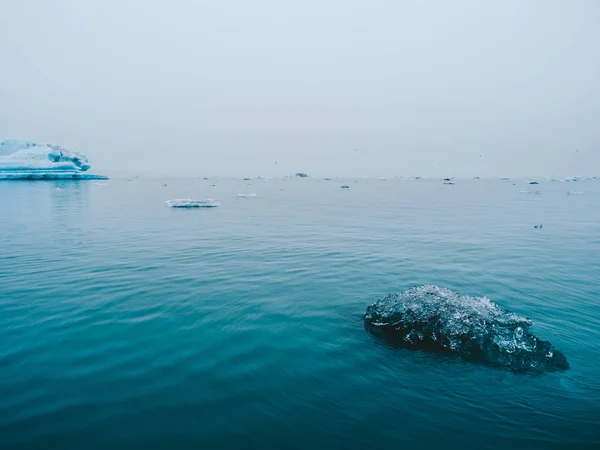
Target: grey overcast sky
column 329, row 87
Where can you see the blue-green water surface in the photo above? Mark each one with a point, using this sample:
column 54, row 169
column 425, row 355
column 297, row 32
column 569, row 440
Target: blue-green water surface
column 128, row 324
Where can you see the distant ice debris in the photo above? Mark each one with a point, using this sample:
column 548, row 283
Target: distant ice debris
column 571, row 179
column 247, row 195
column 189, row 203
column 531, row 192
column 575, row 193
column 302, row 175
column 540, row 226
column 436, row 319
column 534, row 182
column 345, row 186
column 24, row 160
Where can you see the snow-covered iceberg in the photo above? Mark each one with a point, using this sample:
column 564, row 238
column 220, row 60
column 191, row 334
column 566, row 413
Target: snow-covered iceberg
column 435, row 319
column 189, row 203
column 23, row 160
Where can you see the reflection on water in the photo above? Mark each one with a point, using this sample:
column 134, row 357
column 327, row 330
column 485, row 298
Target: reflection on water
column 125, row 323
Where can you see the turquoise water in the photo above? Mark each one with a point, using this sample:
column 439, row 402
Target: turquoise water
column 128, row 324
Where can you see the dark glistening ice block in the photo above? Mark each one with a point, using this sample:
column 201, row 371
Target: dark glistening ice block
column 435, row 319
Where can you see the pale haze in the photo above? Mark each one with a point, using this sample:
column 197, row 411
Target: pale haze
column 190, row 88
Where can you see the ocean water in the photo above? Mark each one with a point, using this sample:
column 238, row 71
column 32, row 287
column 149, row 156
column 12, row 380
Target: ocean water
column 128, row 324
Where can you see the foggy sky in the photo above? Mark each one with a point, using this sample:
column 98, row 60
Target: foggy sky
column 338, row 87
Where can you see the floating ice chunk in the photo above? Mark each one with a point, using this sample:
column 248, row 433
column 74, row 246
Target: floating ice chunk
column 189, row 203
column 345, row 186
column 301, row 175
column 575, row 193
column 24, row 160
column 571, row 179
column 531, row 192
column 435, row 319
column 534, row 182
column 247, row 195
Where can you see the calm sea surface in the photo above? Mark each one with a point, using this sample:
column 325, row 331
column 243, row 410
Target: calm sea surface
column 128, row 324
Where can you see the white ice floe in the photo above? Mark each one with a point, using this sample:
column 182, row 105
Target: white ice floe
column 189, row 203
column 571, row 179
column 24, row 160
column 247, row 195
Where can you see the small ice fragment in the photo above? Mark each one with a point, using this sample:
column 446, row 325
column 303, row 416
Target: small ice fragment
column 345, row 186
column 301, row 175
column 575, row 193
column 247, row 195
column 189, row 203
column 534, row 182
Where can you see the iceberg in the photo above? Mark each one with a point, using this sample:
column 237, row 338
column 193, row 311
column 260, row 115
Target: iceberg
column 247, row 195
column 189, row 203
column 572, row 179
column 24, row 160
column 301, row 175
column 436, row 319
